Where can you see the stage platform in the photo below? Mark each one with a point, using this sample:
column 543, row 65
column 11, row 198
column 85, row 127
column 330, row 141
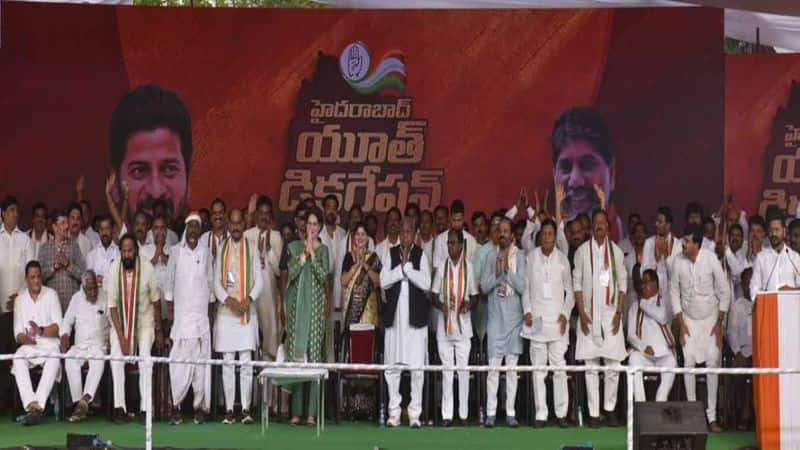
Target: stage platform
column 346, row 436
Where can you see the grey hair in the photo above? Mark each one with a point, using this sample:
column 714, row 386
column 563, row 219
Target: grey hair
column 89, row 275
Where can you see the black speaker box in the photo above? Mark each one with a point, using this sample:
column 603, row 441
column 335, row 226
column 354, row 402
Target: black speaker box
column 669, row 425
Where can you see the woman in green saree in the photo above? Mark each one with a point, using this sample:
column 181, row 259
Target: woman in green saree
column 306, row 309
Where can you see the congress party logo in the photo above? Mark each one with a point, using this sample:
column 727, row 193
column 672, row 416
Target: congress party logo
column 355, row 63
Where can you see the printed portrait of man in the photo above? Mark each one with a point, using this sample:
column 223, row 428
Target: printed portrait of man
column 583, row 157
column 151, row 149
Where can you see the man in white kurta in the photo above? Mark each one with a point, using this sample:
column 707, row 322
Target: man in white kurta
column 405, row 278
column 777, row 267
column 270, row 245
column 455, row 292
column 37, row 316
column 237, row 282
column 88, row 314
column 740, row 340
column 135, row 311
column 157, row 252
column 700, row 299
column 600, row 283
column 660, row 251
column 548, row 303
column 189, row 291
column 503, row 281
column 456, row 223
column 101, row 256
column 650, row 337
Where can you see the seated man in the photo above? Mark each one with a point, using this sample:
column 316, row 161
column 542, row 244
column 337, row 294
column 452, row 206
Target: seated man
column 37, row 314
column 650, row 337
column 88, row 313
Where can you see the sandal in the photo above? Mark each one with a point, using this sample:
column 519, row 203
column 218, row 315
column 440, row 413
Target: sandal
column 295, row 421
column 311, row 422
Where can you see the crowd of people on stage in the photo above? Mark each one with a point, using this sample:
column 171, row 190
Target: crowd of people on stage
column 151, row 275
column 236, row 284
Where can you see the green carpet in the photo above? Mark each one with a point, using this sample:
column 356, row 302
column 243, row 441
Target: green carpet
column 347, row 436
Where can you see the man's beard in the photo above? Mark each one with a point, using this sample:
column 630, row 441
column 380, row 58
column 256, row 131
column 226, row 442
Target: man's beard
column 128, row 263
column 105, row 240
column 775, row 241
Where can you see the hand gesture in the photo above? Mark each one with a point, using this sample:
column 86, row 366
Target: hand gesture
column 649, row 351
column 79, row 186
column 10, row 302
column 560, row 194
column 110, row 181
column 528, row 318
column 601, row 195
column 251, row 205
column 522, row 203
column 61, row 259
column 562, row 323
column 64, row 343
column 466, row 305
column 124, row 188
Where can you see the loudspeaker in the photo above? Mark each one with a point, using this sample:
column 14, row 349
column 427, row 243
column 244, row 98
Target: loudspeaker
column 669, row 425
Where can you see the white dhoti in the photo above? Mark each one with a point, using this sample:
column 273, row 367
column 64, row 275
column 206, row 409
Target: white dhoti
column 493, row 384
column 51, row 371
column 550, row 353
column 145, row 338
column 73, row 369
column 701, row 347
column 639, row 359
column 454, row 353
column 184, row 376
column 609, row 351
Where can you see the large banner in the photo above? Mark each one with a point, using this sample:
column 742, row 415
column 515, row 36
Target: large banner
column 762, row 139
column 379, row 108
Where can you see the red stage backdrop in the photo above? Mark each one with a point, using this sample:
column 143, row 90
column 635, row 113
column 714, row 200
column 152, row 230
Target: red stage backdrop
column 762, row 123
column 377, row 107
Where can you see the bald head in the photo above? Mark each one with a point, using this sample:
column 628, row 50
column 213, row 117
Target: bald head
column 236, row 224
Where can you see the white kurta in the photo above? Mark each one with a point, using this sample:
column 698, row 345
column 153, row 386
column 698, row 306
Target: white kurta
column 735, row 263
column 16, row 249
column 655, row 333
column 549, row 294
column 740, row 327
column 405, row 344
column 591, row 278
column 440, row 251
column 147, row 252
column 382, row 249
column 230, row 335
column 267, row 303
column 91, row 339
column 532, row 226
column 663, row 267
column 773, row 270
column 99, row 260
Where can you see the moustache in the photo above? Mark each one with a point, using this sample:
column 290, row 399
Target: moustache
column 148, row 202
column 128, row 263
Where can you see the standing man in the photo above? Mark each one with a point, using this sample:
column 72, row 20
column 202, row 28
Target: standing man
column 504, row 282
column 270, row 246
column 777, row 267
column 39, row 234
column 88, row 313
column 405, row 279
column 189, row 293
column 600, row 283
column 425, row 237
column 75, row 215
column 133, row 304
column 456, row 223
column 237, row 281
column 219, row 231
column 548, row 303
column 455, row 292
column 441, row 219
column 700, row 299
column 660, row 252
column 62, row 261
column 392, row 229
column 104, row 253
column 37, row 315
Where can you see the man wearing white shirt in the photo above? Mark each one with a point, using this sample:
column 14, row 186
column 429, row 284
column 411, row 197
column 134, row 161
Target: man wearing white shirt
column 456, row 223
column 268, row 241
column 392, row 230
column 135, row 311
column 425, row 237
column 100, row 258
column 405, row 279
column 237, row 283
column 88, row 313
column 700, row 299
column 735, row 260
column 189, row 293
column 16, row 250
column 740, row 340
column 625, row 244
column 777, row 267
column 660, row 252
column 547, row 303
column 600, row 284
column 649, row 334
column 532, row 223
column 633, row 263
column 75, row 216
column 694, row 215
column 37, row 315
column 157, row 253
column 455, row 291
column 39, row 234
column 219, row 229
